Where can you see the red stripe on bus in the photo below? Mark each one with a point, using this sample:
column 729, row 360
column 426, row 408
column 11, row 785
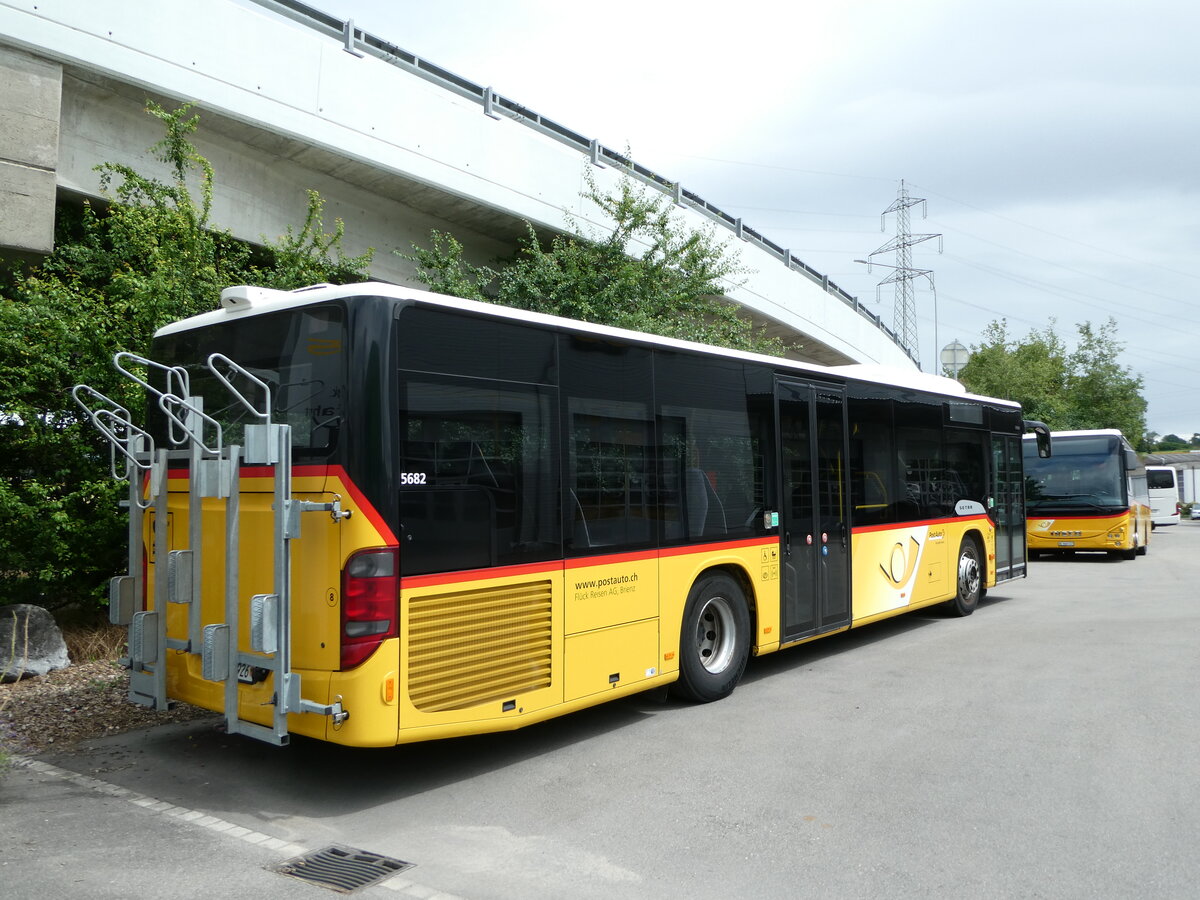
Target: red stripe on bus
column 327, row 472
column 578, row 562
column 921, row 523
column 1072, row 516
column 687, row 550
column 364, row 505
column 411, row 581
column 267, row 471
column 608, row 559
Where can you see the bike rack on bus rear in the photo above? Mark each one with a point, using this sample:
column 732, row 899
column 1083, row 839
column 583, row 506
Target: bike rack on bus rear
column 214, row 472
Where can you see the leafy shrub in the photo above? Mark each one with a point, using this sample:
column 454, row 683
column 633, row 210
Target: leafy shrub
column 118, row 272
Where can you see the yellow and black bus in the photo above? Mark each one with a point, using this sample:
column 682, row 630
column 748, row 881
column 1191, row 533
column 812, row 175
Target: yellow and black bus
column 375, row 515
column 1091, row 495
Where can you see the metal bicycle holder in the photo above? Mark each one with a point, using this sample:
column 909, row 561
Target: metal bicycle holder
column 213, row 472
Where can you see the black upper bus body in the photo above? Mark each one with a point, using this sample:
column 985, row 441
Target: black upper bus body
column 485, row 436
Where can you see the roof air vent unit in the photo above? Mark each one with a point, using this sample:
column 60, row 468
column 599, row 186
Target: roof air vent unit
column 243, row 296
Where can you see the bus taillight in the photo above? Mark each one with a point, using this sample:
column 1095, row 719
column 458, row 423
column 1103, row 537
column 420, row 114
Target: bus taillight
column 370, row 603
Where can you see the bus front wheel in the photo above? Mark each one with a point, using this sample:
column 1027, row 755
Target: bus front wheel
column 714, row 641
column 969, row 580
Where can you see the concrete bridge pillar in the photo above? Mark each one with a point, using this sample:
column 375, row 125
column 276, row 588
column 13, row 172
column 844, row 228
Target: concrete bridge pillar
column 30, row 96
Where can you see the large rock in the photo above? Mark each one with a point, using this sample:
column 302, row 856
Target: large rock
column 30, row 642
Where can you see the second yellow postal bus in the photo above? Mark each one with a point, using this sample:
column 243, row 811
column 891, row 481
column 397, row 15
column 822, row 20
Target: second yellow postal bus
column 1090, row 495
column 374, row 515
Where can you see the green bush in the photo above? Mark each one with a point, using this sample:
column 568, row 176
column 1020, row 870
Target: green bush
column 646, row 271
column 118, row 273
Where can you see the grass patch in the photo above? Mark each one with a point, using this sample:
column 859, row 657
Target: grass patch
column 92, row 643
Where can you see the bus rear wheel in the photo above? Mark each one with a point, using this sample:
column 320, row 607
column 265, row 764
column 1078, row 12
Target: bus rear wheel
column 714, row 642
column 969, row 580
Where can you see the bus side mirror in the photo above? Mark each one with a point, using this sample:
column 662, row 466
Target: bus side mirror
column 1131, row 460
column 1041, row 433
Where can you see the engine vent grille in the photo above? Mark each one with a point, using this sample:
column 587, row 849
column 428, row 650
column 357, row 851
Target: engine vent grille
column 471, row 647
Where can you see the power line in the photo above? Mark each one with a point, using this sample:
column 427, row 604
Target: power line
column 798, row 212
column 1072, row 269
column 1062, row 237
column 753, row 165
column 1065, row 293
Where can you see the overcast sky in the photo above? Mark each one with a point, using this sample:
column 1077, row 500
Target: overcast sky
column 1055, row 143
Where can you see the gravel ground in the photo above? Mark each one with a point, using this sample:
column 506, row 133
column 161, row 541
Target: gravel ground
column 86, row 700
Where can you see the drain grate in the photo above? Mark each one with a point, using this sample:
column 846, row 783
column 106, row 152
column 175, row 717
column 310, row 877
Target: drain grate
column 342, row 868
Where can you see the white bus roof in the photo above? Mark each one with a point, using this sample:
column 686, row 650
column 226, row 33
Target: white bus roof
column 246, row 301
column 1091, row 432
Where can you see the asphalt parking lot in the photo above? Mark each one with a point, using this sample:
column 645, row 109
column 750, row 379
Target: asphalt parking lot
column 1043, row 747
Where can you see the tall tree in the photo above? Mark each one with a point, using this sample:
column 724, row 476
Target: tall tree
column 1067, row 389
column 646, row 271
column 118, row 273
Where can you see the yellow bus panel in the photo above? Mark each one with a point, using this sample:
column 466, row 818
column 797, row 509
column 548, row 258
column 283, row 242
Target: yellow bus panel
column 599, row 662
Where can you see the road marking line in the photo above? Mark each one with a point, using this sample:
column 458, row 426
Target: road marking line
column 212, row 823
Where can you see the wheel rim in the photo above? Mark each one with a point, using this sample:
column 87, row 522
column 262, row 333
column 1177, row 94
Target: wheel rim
column 716, row 634
column 968, row 576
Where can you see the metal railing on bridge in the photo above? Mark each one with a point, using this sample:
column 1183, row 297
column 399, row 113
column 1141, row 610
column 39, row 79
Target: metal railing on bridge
column 359, row 43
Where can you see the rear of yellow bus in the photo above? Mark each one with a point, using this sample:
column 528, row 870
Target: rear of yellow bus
column 344, row 580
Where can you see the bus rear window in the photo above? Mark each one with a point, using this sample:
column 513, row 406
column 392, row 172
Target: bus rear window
column 1160, row 479
column 298, row 353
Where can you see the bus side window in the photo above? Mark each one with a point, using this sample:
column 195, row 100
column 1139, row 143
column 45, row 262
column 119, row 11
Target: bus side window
column 711, row 453
column 693, row 465
column 919, row 446
column 965, row 453
column 478, row 477
column 611, row 453
column 874, row 493
column 611, row 479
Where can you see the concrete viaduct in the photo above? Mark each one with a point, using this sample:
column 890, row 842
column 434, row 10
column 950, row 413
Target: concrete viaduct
column 291, row 99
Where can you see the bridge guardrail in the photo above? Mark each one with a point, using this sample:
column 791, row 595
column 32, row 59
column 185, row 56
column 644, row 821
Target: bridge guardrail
column 359, row 43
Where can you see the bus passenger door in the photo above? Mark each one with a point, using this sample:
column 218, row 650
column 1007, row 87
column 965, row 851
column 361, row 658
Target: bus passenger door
column 1008, row 507
column 814, row 525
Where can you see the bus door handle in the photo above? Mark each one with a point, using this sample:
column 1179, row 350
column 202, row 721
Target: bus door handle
column 787, row 543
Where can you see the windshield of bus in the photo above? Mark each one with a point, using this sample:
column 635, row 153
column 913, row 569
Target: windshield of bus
column 1085, row 474
column 298, row 353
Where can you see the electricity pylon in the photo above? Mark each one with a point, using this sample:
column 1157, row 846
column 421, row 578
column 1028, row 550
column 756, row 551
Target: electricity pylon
column 904, row 314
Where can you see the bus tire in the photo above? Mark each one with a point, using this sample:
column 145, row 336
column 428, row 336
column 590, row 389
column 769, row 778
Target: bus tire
column 968, row 580
column 714, row 642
